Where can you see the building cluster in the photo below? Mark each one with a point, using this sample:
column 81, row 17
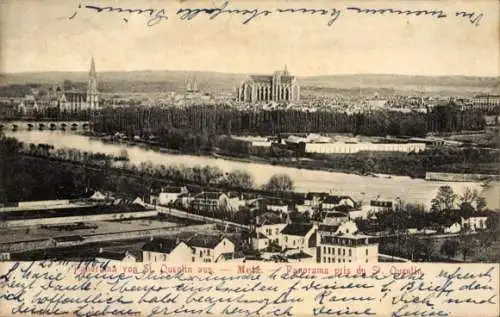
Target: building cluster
column 340, row 144
column 314, row 143
column 65, row 99
column 484, row 102
column 299, row 230
column 206, row 201
column 316, row 227
column 200, row 248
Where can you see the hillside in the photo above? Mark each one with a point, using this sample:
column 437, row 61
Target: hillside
column 160, row 81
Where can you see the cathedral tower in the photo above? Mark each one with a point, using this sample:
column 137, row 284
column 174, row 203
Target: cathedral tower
column 92, row 92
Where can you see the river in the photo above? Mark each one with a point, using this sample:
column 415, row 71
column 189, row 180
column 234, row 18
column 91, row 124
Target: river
column 359, row 187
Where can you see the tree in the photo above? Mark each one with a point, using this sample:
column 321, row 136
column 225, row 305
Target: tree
column 239, row 179
column 279, row 183
column 449, row 248
column 444, row 200
column 469, row 196
column 467, row 245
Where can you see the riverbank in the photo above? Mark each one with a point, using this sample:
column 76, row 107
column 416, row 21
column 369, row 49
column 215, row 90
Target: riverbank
column 291, row 162
column 361, row 188
column 299, row 163
column 364, row 163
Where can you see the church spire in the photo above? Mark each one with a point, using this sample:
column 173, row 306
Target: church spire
column 286, row 70
column 92, row 92
column 92, row 85
column 92, row 68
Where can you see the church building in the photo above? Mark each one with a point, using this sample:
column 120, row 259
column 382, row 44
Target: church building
column 279, row 87
column 66, row 99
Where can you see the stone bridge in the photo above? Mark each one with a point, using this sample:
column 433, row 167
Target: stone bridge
column 46, row 125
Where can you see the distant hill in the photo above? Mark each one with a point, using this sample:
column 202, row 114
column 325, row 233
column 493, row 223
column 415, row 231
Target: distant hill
column 161, row 81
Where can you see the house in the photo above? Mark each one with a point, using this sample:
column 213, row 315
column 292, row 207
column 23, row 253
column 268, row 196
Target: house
column 268, row 204
column 235, row 202
column 270, row 225
column 413, row 231
column 98, row 196
column 210, row 201
column 167, row 250
column 169, row 195
column 301, row 208
column 314, row 199
column 333, row 218
column 138, row 201
column 359, row 214
column 298, row 236
column 276, row 205
column 118, row 256
column 453, row 228
column 258, row 241
column 344, row 243
column 184, row 201
column 474, row 223
column 331, row 202
column 231, row 257
column 378, row 205
column 208, row 248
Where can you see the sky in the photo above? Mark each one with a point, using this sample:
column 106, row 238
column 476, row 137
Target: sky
column 40, row 36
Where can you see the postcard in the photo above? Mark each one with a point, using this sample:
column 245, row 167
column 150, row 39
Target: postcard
column 249, row 158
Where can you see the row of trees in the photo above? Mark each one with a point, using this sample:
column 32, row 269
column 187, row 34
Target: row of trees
column 453, row 160
column 213, row 120
column 70, row 154
column 23, row 181
column 447, row 208
column 462, row 247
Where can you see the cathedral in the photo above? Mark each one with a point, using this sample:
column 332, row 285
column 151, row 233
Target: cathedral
column 279, row 87
column 67, row 99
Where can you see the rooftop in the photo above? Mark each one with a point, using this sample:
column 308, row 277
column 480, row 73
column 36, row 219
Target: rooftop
column 204, row 241
column 161, row 245
column 297, row 229
column 209, row 195
column 299, row 255
column 331, row 199
column 112, row 255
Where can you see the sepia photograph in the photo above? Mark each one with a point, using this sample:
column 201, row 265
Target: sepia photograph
column 241, row 134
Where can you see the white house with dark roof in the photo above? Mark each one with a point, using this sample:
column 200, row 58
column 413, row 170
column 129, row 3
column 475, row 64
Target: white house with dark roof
column 334, row 218
column 258, row 240
column 332, row 201
column 98, row 196
column 209, row 248
column 345, row 244
column 276, row 205
column 314, row 199
column 169, row 195
column 299, row 236
column 210, row 201
column 377, row 205
column 167, row 250
column 474, row 223
column 453, row 228
column 270, row 225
